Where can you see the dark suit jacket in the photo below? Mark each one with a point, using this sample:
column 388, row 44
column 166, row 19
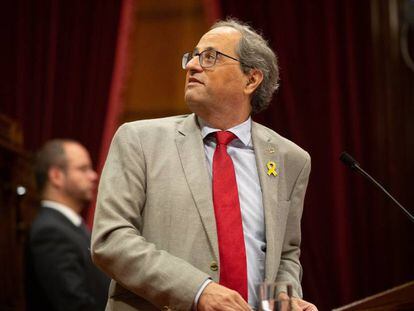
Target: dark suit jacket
column 60, row 273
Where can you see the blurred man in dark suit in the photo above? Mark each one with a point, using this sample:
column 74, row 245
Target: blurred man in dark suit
column 61, row 275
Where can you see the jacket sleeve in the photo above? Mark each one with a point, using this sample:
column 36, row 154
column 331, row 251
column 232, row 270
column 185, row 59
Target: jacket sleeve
column 118, row 246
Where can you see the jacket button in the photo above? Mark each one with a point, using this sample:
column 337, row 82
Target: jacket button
column 214, row 266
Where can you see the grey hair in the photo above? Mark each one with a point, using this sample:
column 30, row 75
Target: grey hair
column 254, row 52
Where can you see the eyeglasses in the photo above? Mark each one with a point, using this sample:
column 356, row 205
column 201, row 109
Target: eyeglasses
column 207, row 58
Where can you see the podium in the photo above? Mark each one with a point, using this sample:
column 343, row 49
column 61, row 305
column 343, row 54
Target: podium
column 397, row 298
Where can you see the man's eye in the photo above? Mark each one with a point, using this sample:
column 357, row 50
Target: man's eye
column 84, row 169
column 209, row 56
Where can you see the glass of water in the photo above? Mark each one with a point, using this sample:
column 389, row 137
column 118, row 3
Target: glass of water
column 269, row 296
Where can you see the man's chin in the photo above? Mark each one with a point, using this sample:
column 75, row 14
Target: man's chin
column 194, row 93
column 193, row 102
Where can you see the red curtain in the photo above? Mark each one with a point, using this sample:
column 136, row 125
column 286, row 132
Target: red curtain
column 355, row 242
column 57, row 59
column 119, row 77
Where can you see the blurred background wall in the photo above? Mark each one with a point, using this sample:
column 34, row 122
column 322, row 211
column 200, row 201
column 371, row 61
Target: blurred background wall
column 78, row 69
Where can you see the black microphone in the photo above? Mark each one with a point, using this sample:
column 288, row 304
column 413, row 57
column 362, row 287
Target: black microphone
column 354, row 165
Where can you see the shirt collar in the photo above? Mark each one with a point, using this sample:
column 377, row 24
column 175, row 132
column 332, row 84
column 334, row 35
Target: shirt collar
column 63, row 209
column 242, row 130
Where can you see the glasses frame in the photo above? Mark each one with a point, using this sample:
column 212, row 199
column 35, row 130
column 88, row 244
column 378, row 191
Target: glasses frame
column 200, row 58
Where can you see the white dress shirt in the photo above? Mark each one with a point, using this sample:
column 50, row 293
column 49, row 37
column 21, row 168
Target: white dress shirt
column 64, row 210
column 250, row 196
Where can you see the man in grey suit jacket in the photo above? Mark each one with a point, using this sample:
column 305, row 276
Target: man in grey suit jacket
column 155, row 229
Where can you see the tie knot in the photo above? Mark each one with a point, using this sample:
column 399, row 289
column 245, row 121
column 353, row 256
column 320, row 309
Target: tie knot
column 224, row 137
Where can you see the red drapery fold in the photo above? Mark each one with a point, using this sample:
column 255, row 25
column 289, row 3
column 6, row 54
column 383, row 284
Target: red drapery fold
column 212, row 11
column 58, row 59
column 119, row 77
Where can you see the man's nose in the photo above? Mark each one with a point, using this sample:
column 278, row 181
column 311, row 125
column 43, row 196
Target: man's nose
column 93, row 175
column 194, row 64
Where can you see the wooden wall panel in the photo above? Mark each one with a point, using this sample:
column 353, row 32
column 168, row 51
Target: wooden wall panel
column 17, row 210
column 164, row 30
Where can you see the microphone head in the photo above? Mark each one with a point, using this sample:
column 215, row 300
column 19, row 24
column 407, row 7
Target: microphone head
column 348, row 160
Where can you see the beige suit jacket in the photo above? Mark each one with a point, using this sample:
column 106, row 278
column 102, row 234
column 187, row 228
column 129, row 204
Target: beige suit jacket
column 154, row 231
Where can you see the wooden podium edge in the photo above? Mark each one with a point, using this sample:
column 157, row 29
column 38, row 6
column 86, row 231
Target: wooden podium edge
column 402, row 295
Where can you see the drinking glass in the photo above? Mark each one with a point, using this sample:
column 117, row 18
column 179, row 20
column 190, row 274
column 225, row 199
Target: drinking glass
column 269, row 296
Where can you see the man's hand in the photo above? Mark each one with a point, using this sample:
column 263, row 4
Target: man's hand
column 298, row 304
column 217, row 297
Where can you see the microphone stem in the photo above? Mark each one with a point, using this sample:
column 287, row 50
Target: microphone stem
column 366, row 175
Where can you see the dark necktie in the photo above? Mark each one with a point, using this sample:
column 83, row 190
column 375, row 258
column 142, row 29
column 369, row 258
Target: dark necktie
column 233, row 270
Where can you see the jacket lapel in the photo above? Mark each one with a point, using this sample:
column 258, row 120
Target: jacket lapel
column 266, row 152
column 193, row 160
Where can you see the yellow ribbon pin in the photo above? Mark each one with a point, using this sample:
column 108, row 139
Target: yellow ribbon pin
column 271, row 168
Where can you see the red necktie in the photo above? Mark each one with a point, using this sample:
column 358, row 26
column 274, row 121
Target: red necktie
column 233, row 270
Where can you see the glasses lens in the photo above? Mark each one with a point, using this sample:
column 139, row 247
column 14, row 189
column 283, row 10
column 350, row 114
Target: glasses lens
column 186, row 58
column 208, row 58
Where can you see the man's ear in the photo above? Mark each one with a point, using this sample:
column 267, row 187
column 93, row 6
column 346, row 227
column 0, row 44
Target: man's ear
column 254, row 78
column 56, row 176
